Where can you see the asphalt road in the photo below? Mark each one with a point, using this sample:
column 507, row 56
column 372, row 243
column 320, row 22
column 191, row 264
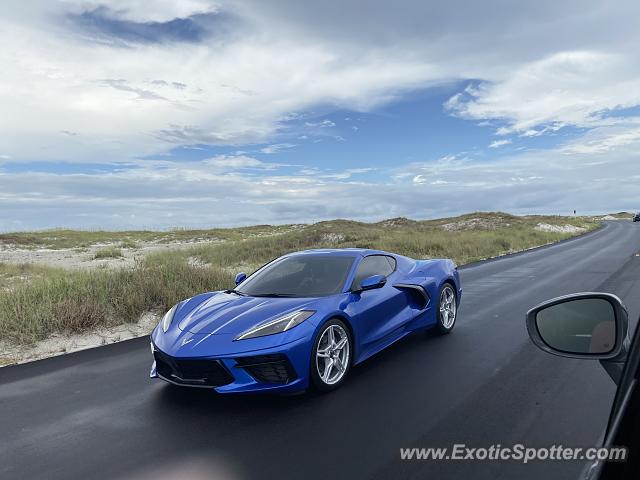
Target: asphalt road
column 96, row 414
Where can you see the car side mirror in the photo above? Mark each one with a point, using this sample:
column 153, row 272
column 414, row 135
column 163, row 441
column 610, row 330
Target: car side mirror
column 583, row 325
column 374, row 281
column 240, row 278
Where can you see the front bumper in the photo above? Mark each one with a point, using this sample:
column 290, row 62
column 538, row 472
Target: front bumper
column 284, row 368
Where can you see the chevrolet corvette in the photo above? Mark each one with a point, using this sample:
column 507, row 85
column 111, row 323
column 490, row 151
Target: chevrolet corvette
column 303, row 320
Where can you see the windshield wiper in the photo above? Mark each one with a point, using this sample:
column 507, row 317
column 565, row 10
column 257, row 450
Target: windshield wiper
column 274, row 295
column 233, row 290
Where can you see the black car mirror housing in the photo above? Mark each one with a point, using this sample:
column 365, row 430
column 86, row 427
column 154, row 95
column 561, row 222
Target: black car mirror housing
column 583, row 325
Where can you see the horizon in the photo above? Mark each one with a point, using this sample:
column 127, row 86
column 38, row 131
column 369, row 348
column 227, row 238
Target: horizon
column 371, row 222
column 210, row 112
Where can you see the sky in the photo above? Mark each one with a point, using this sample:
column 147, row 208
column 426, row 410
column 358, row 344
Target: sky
column 197, row 113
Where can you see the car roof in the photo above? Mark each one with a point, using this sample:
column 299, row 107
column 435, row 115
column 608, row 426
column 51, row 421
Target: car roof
column 353, row 252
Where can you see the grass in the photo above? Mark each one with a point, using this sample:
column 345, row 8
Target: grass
column 465, row 239
column 108, row 252
column 129, row 243
column 15, row 274
column 63, row 301
column 39, row 301
column 622, row 215
column 64, row 238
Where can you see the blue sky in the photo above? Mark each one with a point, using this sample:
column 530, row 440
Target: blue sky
column 212, row 113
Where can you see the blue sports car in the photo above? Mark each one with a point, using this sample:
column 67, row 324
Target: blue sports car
column 303, row 320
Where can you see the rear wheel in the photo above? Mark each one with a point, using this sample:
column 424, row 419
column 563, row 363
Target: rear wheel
column 447, row 308
column 331, row 356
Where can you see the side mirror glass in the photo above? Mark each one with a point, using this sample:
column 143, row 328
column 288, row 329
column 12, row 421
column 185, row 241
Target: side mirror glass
column 584, row 325
column 240, row 278
column 374, row 281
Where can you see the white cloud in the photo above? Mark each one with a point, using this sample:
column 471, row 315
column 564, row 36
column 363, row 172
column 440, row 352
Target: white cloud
column 234, row 162
column 123, row 104
column 206, row 193
column 606, row 139
column 355, row 171
column 565, row 88
column 277, row 147
column 499, row 143
column 539, row 65
column 321, row 124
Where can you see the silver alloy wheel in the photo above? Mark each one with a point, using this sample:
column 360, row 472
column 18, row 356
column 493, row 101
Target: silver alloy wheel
column 448, row 306
column 332, row 354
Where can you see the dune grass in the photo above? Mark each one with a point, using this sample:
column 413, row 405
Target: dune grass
column 108, row 252
column 464, row 239
column 49, row 300
column 64, row 238
column 76, row 301
column 15, row 274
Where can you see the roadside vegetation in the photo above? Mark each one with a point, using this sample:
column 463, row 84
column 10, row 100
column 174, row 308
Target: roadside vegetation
column 76, row 301
column 63, row 238
column 622, row 215
column 38, row 301
column 108, row 252
column 12, row 275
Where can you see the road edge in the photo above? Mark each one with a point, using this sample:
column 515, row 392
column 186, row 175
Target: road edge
column 600, row 228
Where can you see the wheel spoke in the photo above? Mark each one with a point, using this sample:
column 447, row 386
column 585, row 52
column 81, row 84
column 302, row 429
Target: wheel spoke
column 331, row 337
column 328, row 366
column 338, row 363
column 324, row 353
column 340, row 345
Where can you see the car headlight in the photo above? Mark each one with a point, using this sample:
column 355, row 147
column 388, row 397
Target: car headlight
column 279, row 325
column 168, row 318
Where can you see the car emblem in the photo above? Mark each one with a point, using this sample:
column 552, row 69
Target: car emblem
column 186, row 340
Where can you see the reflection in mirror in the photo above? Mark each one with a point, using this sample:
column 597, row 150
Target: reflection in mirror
column 579, row 326
column 374, row 281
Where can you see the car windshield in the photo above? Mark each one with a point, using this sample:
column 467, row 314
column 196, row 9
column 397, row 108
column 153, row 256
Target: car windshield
column 299, row 276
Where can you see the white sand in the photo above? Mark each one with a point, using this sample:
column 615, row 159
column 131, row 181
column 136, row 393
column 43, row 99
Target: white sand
column 59, row 344
column 475, row 223
column 546, row 227
column 78, row 259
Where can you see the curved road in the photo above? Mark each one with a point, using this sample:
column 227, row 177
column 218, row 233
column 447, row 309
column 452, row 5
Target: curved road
column 96, row 414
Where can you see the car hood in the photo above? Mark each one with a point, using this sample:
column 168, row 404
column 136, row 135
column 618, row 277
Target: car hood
column 229, row 313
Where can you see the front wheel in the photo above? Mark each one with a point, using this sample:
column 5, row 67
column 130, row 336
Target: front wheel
column 447, row 308
column 331, row 356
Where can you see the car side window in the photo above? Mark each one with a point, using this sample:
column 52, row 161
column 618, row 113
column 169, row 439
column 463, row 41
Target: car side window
column 373, row 265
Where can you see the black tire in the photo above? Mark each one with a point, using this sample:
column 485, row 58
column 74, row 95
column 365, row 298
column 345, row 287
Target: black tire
column 445, row 324
column 316, row 364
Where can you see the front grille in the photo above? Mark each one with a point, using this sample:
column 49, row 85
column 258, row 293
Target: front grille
column 268, row 368
column 192, row 371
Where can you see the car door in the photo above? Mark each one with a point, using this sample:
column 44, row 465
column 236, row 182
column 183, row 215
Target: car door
column 594, row 326
column 624, row 423
column 378, row 313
